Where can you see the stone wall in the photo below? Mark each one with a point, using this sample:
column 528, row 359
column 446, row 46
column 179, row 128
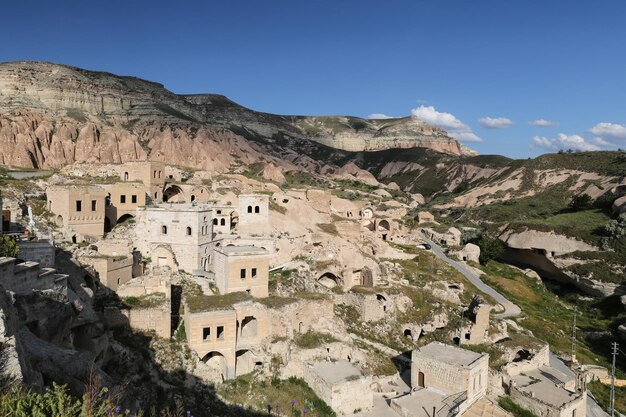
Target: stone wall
column 112, row 272
column 157, row 318
column 253, row 214
column 27, row 276
column 300, row 317
column 40, row 251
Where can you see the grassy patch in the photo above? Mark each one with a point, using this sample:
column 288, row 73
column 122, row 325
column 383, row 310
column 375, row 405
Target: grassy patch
column 329, row 228
column 145, row 301
column 311, row 339
column 198, row 303
column 277, row 207
column 517, row 411
column 257, row 394
column 550, row 317
column 276, row 302
column 601, row 393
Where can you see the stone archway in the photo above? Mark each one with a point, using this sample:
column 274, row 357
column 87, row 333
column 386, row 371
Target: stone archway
column 329, row 280
column 124, row 218
column 234, row 220
column 163, row 257
column 217, row 361
column 59, row 221
column 174, row 194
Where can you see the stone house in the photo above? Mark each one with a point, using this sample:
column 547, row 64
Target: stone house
column 340, row 385
column 450, row 369
column 78, row 209
column 242, row 268
column 226, row 337
column 177, row 236
column 111, row 271
column 121, row 202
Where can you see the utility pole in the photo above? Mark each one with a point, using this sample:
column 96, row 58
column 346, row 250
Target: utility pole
column 612, row 398
column 574, row 337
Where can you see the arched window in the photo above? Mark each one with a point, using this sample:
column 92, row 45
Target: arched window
column 188, row 231
column 215, row 222
column 257, row 209
column 223, row 222
column 193, row 198
column 164, row 229
column 249, row 209
column 126, row 176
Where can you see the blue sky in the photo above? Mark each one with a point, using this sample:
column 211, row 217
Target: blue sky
column 450, row 62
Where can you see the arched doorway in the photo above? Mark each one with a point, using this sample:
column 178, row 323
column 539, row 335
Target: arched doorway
column 243, row 362
column 59, row 221
column 217, row 361
column 420, row 380
column 249, row 327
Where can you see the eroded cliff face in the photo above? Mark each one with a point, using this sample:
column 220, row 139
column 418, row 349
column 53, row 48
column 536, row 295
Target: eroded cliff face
column 53, row 115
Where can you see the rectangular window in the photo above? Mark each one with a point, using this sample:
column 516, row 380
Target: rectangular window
column 242, row 273
column 206, row 333
column 133, row 199
column 79, row 205
column 220, row 332
column 122, row 199
column 253, row 273
column 94, row 205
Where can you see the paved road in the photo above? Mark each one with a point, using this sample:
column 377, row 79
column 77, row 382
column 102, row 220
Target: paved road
column 510, row 309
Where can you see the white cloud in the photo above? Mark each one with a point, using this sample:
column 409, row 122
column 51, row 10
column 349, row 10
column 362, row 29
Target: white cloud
column 495, row 122
column 611, row 130
column 447, row 121
column 543, row 123
column 563, row 141
column 379, row 116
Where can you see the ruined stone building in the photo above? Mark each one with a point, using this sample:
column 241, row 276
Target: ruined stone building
column 27, row 276
column 252, row 217
column 150, row 173
column 78, row 210
column 478, row 314
column 176, row 235
column 548, row 392
column 340, row 385
column 242, row 268
column 226, row 337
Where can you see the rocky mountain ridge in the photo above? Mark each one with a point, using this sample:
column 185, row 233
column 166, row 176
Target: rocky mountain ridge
column 53, row 115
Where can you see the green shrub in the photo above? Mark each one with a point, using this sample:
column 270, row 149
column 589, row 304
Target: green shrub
column 8, row 247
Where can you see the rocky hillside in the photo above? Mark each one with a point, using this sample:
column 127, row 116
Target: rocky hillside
column 53, row 115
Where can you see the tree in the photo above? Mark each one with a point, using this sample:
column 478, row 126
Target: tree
column 8, row 247
column 490, row 248
column 581, row 202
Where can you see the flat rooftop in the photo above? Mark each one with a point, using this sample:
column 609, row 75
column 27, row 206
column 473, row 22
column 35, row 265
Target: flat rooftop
column 419, row 403
column 241, row 250
column 336, row 372
column 544, row 389
column 450, row 354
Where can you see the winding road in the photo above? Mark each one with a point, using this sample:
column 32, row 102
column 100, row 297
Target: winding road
column 510, row 309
